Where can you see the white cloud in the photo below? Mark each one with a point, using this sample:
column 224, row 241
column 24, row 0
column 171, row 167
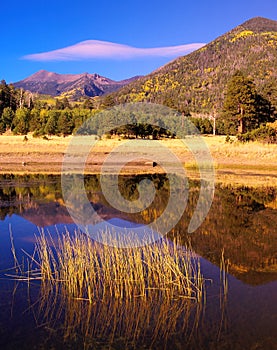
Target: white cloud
column 93, row 49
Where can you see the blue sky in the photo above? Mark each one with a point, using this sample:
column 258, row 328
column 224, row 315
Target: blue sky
column 117, row 34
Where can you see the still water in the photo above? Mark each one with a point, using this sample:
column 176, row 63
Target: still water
column 239, row 310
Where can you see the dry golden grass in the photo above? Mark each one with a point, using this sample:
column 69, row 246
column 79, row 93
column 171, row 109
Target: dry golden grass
column 90, row 271
column 16, row 144
column 106, row 293
column 251, row 153
column 237, row 160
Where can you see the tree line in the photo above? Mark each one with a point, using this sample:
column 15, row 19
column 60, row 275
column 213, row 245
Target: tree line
column 21, row 113
column 243, row 111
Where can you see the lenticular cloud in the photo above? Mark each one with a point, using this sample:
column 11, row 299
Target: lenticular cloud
column 93, row 49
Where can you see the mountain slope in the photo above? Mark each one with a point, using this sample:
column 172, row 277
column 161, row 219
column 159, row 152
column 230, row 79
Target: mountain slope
column 197, row 82
column 71, row 85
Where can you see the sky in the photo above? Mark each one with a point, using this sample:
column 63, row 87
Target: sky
column 116, row 39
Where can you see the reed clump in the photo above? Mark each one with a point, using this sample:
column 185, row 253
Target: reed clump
column 96, row 294
column 88, row 270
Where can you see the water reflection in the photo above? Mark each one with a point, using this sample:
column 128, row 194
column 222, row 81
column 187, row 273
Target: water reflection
column 242, row 221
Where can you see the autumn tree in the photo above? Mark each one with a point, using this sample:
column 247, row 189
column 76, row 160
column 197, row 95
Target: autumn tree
column 88, row 104
column 21, row 121
column 108, row 102
column 62, row 103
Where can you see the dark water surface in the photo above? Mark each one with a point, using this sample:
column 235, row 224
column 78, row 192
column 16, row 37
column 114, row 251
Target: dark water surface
column 242, row 222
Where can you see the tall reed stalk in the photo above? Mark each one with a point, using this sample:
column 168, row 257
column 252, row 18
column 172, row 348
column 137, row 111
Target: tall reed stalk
column 100, row 292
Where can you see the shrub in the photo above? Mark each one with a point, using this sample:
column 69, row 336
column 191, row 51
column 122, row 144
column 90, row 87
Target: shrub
column 227, row 139
column 265, row 134
column 38, row 133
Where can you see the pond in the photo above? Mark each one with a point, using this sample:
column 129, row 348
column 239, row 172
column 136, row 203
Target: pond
column 235, row 246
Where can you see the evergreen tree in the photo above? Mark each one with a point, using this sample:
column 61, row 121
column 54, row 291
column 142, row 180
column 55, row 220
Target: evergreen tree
column 65, row 122
column 269, row 91
column 35, row 122
column 51, row 127
column 8, row 96
column 240, row 103
column 7, row 118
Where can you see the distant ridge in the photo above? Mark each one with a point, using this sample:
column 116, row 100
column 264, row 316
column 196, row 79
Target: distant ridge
column 196, row 82
column 73, row 86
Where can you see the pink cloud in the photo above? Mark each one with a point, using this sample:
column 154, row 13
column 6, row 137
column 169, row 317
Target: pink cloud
column 93, row 49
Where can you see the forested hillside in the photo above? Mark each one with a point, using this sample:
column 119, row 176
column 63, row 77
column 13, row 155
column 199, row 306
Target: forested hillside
column 197, row 82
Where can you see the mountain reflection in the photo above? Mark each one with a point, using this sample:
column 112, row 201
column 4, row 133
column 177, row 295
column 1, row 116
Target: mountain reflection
column 242, row 220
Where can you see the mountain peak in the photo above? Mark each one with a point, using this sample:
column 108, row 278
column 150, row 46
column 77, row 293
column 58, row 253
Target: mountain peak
column 73, row 85
column 260, row 24
column 42, row 75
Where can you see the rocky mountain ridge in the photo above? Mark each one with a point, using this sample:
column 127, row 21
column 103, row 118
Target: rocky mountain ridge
column 73, row 86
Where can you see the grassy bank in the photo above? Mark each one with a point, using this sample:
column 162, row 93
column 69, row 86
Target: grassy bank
column 37, row 155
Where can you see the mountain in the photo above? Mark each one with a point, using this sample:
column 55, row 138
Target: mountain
column 197, row 82
column 70, row 85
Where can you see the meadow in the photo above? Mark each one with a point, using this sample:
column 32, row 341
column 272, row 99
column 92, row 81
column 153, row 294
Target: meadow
column 254, row 161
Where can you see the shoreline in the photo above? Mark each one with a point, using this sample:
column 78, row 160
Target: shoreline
column 223, row 175
column 253, row 163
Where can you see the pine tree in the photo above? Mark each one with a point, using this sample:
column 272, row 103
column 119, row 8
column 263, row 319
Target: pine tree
column 51, row 127
column 7, row 117
column 240, row 103
column 8, row 96
column 65, row 122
